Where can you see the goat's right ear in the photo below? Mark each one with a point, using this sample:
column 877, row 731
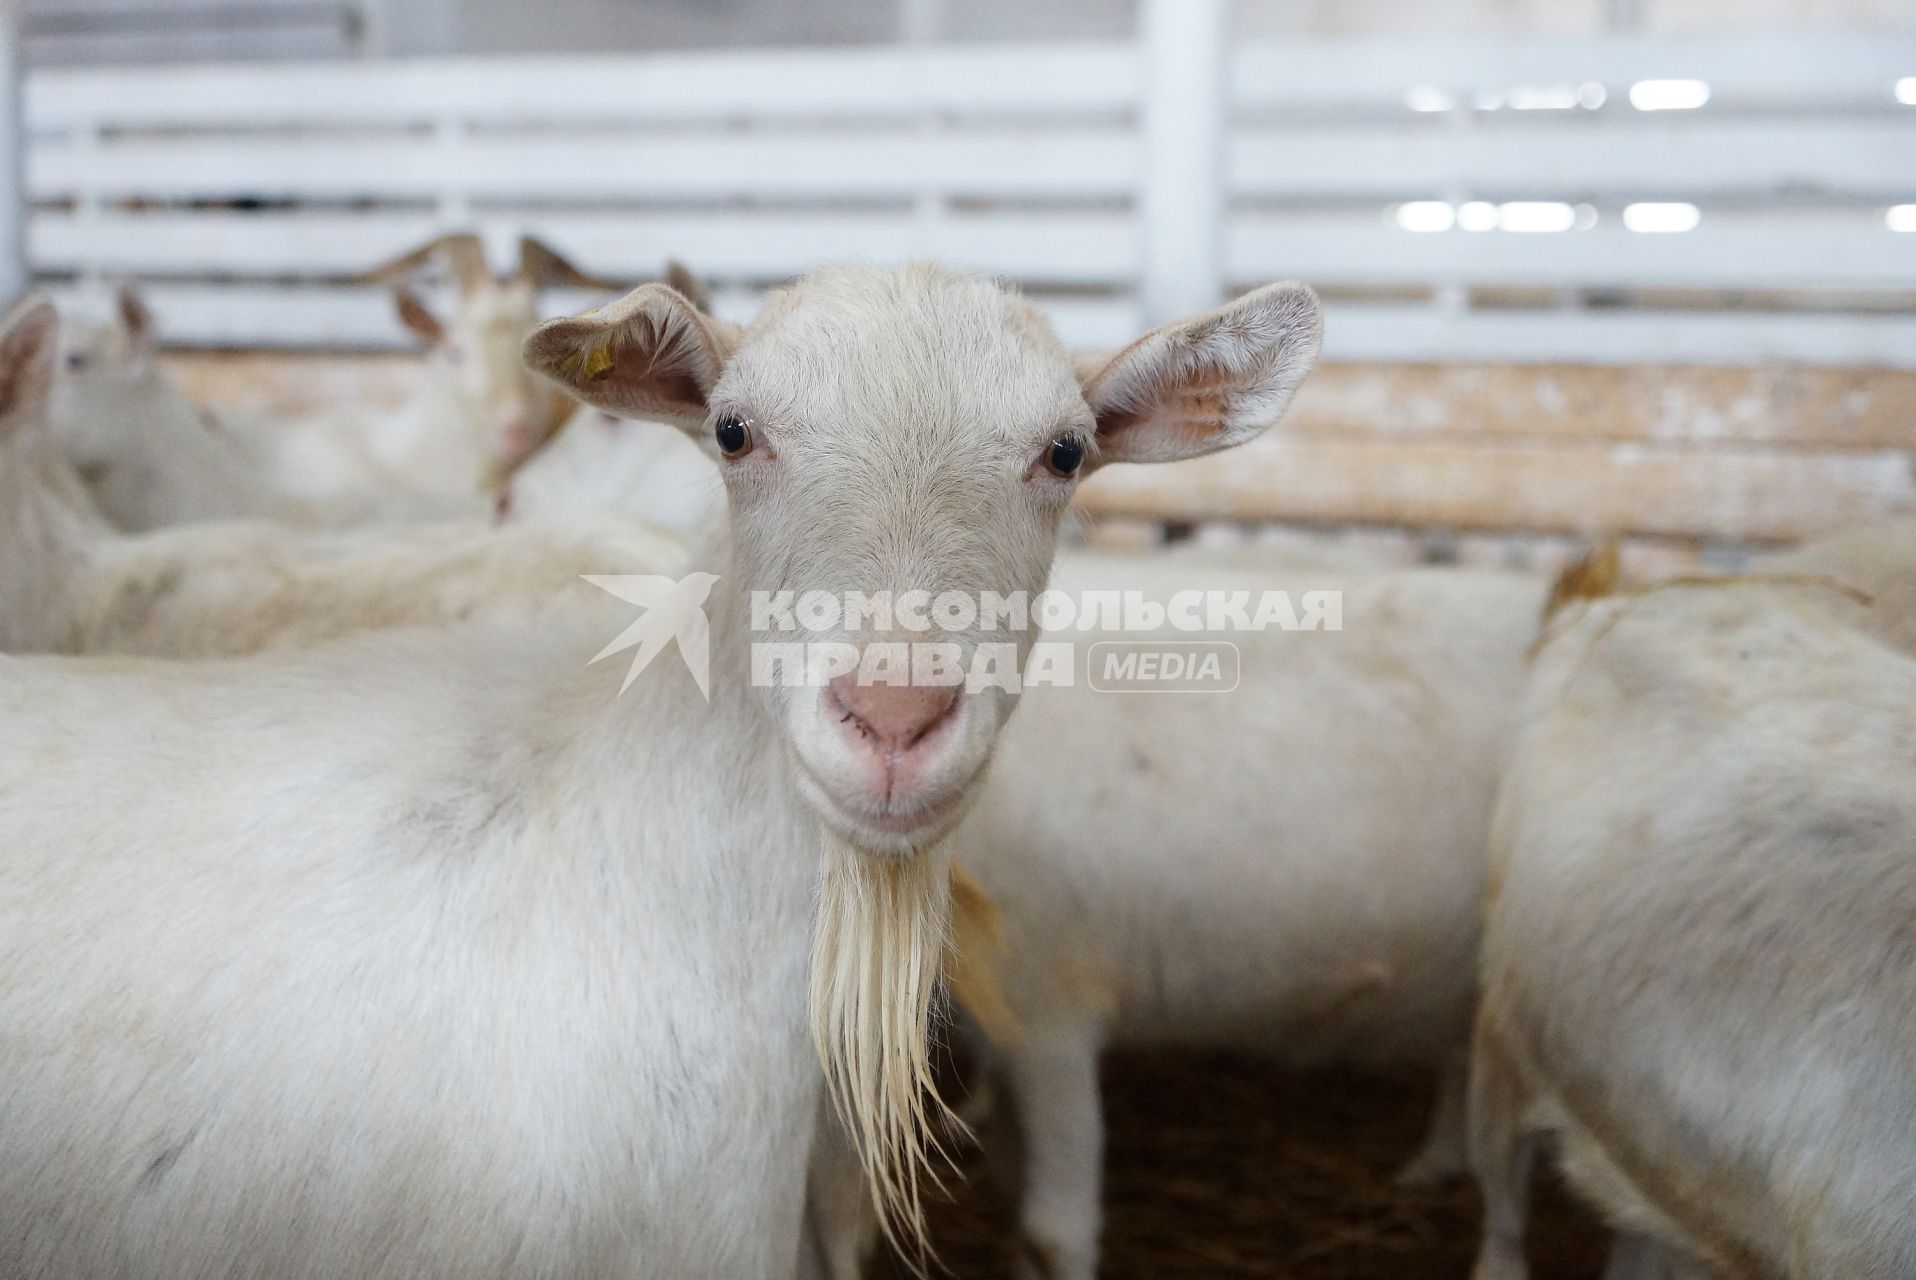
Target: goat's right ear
column 418, row 317
column 687, row 282
column 651, row 354
column 28, row 340
column 136, row 321
column 1207, row 383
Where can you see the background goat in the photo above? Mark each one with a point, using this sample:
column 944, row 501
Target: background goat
column 72, row 583
column 1697, row 969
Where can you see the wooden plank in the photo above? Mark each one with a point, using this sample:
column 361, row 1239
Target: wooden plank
column 275, row 384
column 1795, row 67
column 1069, row 248
column 1830, row 250
column 1769, row 495
column 1359, row 449
column 1076, row 165
column 1582, row 404
column 1669, row 155
column 1355, row 331
column 1064, row 79
column 1825, row 410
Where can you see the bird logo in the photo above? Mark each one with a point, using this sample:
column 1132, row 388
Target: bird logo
column 674, row 611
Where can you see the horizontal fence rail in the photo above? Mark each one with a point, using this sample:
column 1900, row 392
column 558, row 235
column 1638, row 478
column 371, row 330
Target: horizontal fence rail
column 1599, row 200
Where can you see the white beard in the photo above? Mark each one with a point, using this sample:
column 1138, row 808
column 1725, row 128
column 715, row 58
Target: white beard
column 878, row 945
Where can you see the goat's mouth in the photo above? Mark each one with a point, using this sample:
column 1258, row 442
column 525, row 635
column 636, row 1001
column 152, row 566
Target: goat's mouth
column 883, row 824
column 916, row 815
column 881, row 788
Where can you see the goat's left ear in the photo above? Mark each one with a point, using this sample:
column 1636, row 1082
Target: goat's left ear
column 28, row 338
column 651, row 354
column 418, row 318
column 1207, row 383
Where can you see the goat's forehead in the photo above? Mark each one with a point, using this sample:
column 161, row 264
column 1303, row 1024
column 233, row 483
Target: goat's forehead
column 508, row 304
column 905, row 347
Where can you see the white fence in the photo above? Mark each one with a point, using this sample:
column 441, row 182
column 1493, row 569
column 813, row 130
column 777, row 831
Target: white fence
column 91, row 32
column 245, row 196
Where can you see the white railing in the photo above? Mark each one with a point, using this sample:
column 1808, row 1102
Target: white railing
column 93, row 32
column 245, row 196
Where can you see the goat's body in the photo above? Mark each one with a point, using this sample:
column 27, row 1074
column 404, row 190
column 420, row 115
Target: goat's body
column 1878, row 560
column 404, row 994
column 1699, row 967
column 215, row 590
column 420, row 460
column 600, row 463
column 1231, row 866
column 1295, row 866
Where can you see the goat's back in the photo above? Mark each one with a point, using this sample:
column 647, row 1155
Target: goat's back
column 1701, row 940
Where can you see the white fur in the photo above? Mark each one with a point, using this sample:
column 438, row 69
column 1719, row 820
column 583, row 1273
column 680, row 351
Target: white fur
column 1697, row 970
column 149, row 455
column 1295, row 866
column 1877, row 560
column 448, row 443
column 152, row 457
column 71, row 583
column 601, row 463
column 423, row 955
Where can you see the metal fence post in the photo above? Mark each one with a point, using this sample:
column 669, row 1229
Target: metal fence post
column 1186, row 103
column 13, row 185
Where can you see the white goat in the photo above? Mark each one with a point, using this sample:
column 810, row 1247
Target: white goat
column 479, row 411
column 152, row 457
column 148, row 454
column 71, row 583
column 1295, row 866
column 422, row 955
column 1877, row 560
column 1699, row 972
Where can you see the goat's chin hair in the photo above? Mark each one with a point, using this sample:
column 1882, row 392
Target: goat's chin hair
column 877, row 948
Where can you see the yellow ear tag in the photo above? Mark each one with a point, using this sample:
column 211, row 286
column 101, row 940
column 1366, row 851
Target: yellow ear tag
column 598, row 362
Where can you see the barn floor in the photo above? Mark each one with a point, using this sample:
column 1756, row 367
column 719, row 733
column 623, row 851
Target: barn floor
column 1223, row 1168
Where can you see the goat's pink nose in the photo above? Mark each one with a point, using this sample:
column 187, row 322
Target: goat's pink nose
column 897, row 715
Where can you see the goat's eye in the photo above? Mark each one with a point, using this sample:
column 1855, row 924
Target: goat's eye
column 76, row 361
column 1065, row 456
column 734, row 436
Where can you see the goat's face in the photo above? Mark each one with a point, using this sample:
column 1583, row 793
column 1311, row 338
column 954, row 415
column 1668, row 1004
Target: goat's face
column 475, row 364
column 105, row 389
column 887, row 434
column 912, row 436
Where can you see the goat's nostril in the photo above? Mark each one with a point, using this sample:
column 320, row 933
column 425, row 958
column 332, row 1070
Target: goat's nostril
column 895, row 715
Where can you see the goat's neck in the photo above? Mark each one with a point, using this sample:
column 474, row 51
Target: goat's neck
column 209, row 473
column 52, row 573
column 732, row 734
